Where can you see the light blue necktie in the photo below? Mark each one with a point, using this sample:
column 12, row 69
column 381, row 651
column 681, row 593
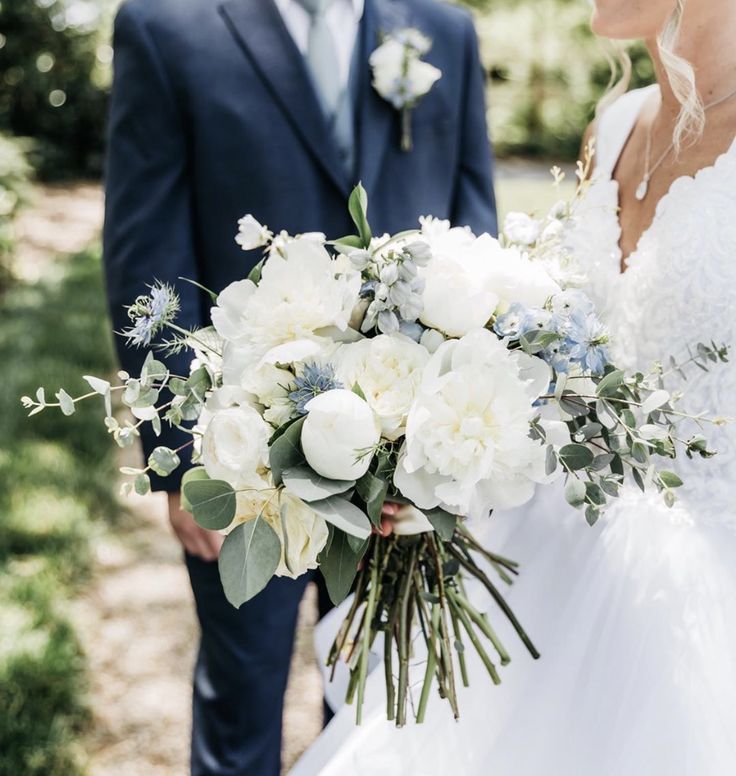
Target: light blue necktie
column 324, row 68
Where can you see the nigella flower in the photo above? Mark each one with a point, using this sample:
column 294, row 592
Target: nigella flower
column 314, row 380
column 151, row 313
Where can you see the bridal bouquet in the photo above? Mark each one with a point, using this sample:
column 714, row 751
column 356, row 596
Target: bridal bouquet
column 447, row 373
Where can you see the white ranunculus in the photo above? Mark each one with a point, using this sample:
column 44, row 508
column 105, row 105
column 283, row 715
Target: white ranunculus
column 300, row 293
column 388, row 369
column 521, row 229
column 302, row 533
column 252, row 234
column 235, row 446
column 467, row 445
column 339, row 431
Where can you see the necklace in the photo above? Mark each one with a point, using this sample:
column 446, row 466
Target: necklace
column 643, row 188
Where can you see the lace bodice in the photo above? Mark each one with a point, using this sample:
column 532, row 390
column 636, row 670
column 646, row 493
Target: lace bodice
column 679, row 289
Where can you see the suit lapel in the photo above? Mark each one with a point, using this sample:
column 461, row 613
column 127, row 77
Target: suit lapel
column 377, row 119
column 259, row 29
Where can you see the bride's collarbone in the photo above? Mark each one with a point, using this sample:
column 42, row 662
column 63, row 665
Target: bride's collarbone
column 637, row 215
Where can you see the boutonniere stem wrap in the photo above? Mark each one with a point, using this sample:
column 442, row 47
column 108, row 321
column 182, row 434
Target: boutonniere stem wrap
column 402, row 77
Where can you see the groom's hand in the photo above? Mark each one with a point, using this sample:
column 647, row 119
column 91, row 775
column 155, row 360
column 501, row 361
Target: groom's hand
column 196, row 541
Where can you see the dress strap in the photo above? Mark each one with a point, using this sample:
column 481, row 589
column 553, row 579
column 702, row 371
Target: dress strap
column 615, row 126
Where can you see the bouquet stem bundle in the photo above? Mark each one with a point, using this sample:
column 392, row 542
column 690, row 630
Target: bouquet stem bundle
column 412, row 589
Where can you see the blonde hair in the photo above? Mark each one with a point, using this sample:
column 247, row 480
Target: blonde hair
column 680, row 74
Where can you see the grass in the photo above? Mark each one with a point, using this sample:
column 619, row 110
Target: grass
column 56, row 475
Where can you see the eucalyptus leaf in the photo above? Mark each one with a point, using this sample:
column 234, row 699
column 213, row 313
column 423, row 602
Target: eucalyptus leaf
column 670, row 480
column 575, row 492
column 213, row 503
column 98, row 385
column 163, row 461
column 286, row 451
column 248, row 559
column 343, row 515
column 373, row 490
column 550, row 464
column 443, row 522
column 142, row 484
column 576, row 457
column 339, row 565
column 255, row 274
column 66, row 402
column 307, row 485
column 192, row 475
column 610, row 384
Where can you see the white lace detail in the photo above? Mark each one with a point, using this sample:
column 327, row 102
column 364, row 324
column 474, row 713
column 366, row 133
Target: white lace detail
column 679, row 289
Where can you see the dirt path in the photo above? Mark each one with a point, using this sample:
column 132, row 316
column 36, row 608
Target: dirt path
column 136, row 620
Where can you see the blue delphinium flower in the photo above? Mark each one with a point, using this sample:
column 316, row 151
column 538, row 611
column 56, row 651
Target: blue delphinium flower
column 587, row 341
column 314, row 380
column 150, row 314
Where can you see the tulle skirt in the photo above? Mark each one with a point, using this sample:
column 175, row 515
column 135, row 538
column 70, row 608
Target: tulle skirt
column 636, row 622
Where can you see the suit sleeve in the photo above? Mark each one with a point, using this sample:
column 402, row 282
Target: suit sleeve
column 475, row 202
column 148, row 232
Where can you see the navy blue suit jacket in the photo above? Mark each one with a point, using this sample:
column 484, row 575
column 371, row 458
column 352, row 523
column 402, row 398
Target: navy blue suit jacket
column 214, row 115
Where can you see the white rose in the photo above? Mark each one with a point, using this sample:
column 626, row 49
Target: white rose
column 467, row 445
column 388, row 369
column 421, row 77
column 521, row 229
column 339, row 431
column 252, row 234
column 306, row 532
column 387, row 62
column 235, row 446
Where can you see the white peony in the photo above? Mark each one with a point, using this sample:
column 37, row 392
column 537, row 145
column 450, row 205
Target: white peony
column 338, row 434
column 302, row 532
column 469, row 278
column 252, row 234
column 234, row 447
column 300, row 293
column 467, row 445
column 521, row 229
column 388, row 369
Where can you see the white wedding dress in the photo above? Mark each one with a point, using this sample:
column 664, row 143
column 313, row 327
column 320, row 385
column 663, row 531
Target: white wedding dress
column 636, row 617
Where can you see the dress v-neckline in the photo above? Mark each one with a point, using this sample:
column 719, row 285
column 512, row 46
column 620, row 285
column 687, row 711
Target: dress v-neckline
column 625, row 261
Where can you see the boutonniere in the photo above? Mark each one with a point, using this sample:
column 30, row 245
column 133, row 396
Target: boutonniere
column 401, row 76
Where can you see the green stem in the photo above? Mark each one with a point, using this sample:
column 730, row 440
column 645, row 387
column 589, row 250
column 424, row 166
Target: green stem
column 403, row 639
column 473, row 636
column 484, row 625
column 429, row 673
column 368, row 630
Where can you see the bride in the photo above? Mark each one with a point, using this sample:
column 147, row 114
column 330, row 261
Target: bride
column 636, row 617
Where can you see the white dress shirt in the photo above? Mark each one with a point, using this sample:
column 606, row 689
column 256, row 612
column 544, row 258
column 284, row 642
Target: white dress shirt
column 343, row 18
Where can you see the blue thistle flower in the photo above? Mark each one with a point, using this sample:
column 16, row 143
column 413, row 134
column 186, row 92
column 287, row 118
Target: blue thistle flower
column 151, row 313
column 314, row 380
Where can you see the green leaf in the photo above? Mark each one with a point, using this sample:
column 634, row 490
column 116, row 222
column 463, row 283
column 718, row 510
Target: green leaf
column 339, row 565
column 255, row 274
column 442, row 521
column 286, row 451
column 248, row 559
column 343, row 515
column 142, row 484
column 178, row 387
column 670, row 480
column 592, row 514
column 192, row 475
column 358, row 207
column 576, row 457
column 373, row 491
column 213, row 503
column 575, row 492
column 594, row 494
column 358, row 391
column 610, row 384
column 574, row 405
column 153, row 371
column 550, row 464
column 357, row 545
column 98, row 385
column 350, row 241
column 163, row 461
column 66, row 402
column 307, row 485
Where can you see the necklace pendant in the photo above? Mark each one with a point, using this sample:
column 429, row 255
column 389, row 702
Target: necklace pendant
column 642, row 189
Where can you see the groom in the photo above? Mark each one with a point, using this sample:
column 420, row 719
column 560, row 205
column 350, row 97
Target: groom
column 267, row 107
